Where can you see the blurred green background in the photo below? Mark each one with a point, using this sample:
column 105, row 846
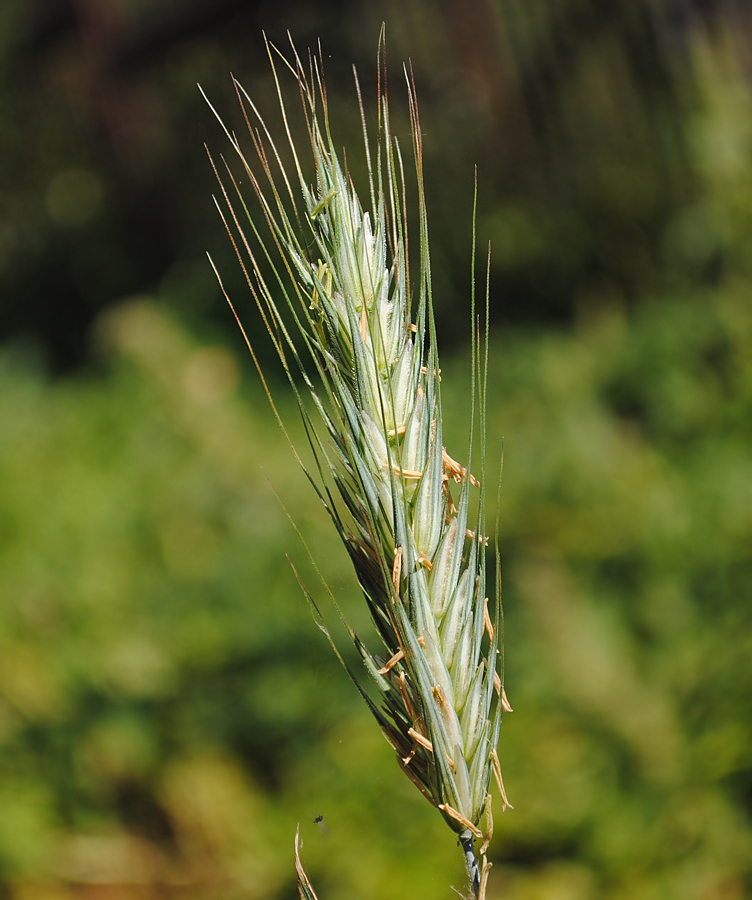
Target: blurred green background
column 168, row 710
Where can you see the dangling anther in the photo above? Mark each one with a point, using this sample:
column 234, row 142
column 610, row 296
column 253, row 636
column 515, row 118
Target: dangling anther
column 456, row 470
column 402, row 688
column 471, row 534
column 505, row 705
column 412, row 327
column 458, row 817
column 391, row 663
column 406, row 760
column 487, row 866
column 505, row 804
column 405, row 472
column 423, row 741
column 425, row 561
column 487, row 620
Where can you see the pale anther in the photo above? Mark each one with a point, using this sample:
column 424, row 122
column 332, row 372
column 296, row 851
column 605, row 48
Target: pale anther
column 423, row 741
column 391, row 663
column 487, row 620
column 404, row 472
column 406, row 760
column 505, row 704
column 450, row 811
column 439, row 697
column 457, row 471
column 487, row 866
column 402, row 688
column 488, row 830
column 505, row 804
column 396, row 571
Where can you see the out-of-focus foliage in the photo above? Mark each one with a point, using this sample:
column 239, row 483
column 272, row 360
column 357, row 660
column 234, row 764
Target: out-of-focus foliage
column 168, row 711
column 577, row 112
column 628, row 514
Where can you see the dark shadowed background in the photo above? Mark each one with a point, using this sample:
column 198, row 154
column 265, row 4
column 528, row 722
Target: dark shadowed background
column 168, row 710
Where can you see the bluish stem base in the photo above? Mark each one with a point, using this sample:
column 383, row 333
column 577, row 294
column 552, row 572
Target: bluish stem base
column 471, row 861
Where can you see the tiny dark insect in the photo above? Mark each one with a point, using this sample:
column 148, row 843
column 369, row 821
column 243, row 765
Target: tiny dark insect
column 318, row 819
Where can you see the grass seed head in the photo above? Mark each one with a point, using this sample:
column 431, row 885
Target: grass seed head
column 342, row 315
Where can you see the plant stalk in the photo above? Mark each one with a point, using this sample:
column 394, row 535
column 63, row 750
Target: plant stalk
column 471, row 860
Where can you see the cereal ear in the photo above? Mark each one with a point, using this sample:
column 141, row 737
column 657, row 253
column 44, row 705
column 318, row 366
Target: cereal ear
column 362, row 361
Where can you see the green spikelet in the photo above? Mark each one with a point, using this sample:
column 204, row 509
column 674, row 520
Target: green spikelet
column 368, row 359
